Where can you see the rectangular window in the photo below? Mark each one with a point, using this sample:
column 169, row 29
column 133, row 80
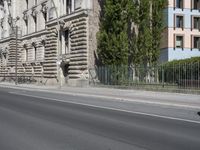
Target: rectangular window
column 179, row 41
column 179, row 21
column 196, row 22
column 196, row 4
column 69, row 6
column 45, row 16
column 66, row 41
column 35, row 53
column 43, row 53
column 4, row 59
column 26, row 26
column 35, row 21
column 196, row 43
column 26, row 54
column 179, row 4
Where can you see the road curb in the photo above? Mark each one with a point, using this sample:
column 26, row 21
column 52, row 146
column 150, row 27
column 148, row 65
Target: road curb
column 121, row 99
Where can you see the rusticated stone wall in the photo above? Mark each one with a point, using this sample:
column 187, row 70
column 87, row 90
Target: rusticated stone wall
column 82, row 24
column 50, row 56
column 78, row 55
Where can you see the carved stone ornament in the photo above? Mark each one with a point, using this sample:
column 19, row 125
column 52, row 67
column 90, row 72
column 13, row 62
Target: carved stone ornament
column 34, row 13
column 67, row 25
column 25, row 16
column 1, row 22
column 44, row 8
column 10, row 20
column 33, row 44
column 5, row 50
column 25, row 42
column 43, row 42
column 25, row 46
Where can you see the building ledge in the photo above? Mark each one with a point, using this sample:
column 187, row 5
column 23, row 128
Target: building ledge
column 38, row 33
column 32, row 63
column 67, row 17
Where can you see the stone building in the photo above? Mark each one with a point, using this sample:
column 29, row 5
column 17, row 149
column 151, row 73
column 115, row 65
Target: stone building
column 55, row 40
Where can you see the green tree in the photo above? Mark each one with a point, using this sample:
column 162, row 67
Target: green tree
column 113, row 38
column 144, row 34
column 158, row 23
column 130, row 31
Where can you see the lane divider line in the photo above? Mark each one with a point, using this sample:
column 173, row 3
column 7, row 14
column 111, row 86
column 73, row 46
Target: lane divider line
column 121, row 99
column 108, row 108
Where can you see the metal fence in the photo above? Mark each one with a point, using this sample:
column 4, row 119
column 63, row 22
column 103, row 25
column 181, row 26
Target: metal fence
column 181, row 76
column 21, row 79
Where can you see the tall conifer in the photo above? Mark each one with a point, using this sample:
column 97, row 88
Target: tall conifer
column 113, row 38
column 130, row 31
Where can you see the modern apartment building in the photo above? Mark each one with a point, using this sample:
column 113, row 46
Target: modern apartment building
column 56, row 39
column 181, row 38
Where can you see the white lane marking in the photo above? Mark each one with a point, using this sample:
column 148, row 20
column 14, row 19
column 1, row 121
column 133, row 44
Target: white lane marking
column 108, row 108
column 131, row 100
column 187, row 106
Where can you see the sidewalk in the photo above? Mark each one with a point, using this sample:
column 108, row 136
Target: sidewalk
column 139, row 96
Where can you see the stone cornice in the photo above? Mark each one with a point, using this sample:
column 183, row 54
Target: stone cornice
column 68, row 17
column 5, row 40
column 35, row 6
column 25, row 15
column 35, row 34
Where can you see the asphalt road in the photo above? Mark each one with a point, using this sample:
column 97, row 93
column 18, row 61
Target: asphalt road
column 33, row 123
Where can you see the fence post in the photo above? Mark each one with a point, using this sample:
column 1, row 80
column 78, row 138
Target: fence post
column 198, row 75
column 163, row 76
column 191, row 78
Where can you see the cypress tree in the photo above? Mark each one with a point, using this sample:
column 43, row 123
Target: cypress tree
column 144, row 34
column 130, row 31
column 157, row 27
column 112, row 38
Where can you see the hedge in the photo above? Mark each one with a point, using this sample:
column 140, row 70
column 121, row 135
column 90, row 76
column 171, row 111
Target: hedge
column 185, row 69
column 183, row 61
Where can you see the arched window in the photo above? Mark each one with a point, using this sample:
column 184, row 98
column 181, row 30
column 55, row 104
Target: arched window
column 34, row 51
column 25, row 51
column 42, row 51
column 5, row 56
column 25, row 18
column 34, row 15
column 44, row 12
column 65, row 42
column 26, row 54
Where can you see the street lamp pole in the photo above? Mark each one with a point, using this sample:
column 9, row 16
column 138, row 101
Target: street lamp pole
column 16, row 53
column 13, row 22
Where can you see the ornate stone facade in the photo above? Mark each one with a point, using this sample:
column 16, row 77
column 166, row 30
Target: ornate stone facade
column 41, row 52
